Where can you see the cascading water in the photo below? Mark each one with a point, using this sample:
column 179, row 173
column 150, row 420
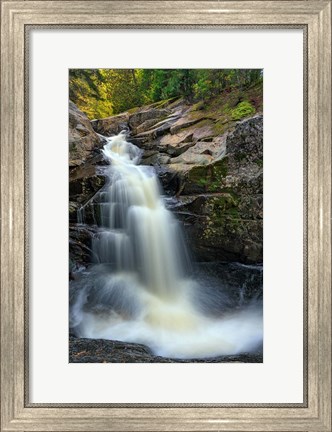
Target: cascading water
column 139, row 290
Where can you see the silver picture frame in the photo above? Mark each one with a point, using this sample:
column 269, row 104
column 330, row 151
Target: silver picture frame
column 17, row 19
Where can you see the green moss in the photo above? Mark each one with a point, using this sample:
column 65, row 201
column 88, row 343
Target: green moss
column 220, row 168
column 214, row 186
column 198, row 174
column 209, row 177
column 204, row 122
column 259, row 162
column 202, row 182
column 165, row 102
column 243, row 109
column 229, row 107
column 226, row 203
column 220, row 127
column 224, row 215
column 198, row 106
column 133, row 110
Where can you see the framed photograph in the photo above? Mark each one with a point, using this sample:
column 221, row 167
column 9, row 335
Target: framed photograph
column 166, row 215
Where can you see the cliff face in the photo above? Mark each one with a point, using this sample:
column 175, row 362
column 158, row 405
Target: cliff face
column 208, row 156
column 82, row 138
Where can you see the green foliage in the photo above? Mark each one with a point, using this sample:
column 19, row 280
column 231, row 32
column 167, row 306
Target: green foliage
column 88, row 91
column 243, row 109
column 104, row 92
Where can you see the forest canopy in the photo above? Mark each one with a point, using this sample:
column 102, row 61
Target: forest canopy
column 104, row 92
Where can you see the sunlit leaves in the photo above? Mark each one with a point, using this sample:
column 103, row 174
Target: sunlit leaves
column 104, row 92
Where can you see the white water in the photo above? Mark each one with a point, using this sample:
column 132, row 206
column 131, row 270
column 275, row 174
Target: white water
column 139, row 291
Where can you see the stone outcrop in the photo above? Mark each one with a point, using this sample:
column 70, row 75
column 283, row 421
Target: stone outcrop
column 84, row 182
column 218, row 180
column 225, row 199
column 111, row 125
column 212, row 164
column 82, row 138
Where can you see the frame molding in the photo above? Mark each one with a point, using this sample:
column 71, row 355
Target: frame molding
column 17, row 415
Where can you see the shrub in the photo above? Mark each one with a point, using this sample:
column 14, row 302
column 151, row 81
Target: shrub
column 243, row 109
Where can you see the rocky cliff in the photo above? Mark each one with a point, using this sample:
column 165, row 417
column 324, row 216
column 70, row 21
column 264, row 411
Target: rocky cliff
column 209, row 158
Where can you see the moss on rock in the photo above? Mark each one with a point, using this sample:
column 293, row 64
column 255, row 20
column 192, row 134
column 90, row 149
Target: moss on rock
column 243, row 109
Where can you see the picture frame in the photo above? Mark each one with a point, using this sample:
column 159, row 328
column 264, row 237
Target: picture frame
column 17, row 17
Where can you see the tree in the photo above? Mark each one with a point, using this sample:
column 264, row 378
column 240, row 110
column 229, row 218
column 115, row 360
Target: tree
column 104, row 92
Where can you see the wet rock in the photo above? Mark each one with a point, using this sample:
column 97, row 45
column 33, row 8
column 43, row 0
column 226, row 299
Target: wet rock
column 156, row 159
column 223, row 226
column 170, row 180
column 84, row 183
column 108, row 351
column 197, row 150
column 242, row 283
column 80, row 252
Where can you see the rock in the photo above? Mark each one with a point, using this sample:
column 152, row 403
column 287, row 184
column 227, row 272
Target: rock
column 242, row 284
column 221, row 200
column 175, row 151
column 240, row 167
column 189, row 118
column 202, row 153
column 109, row 351
column 80, row 252
column 156, row 159
column 170, row 180
column 147, row 139
column 223, row 226
column 111, row 125
column 246, row 141
column 161, row 125
column 82, row 138
column 183, row 122
column 84, row 182
column 194, row 133
column 145, row 126
column 147, row 114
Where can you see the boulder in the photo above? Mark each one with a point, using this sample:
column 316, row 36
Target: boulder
column 111, row 125
column 80, row 252
column 210, row 162
column 219, row 186
column 191, row 116
column 224, row 226
column 194, row 133
column 201, row 153
column 238, row 166
column 84, row 182
column 156, row 159
column 147, row 114
column 82, row 138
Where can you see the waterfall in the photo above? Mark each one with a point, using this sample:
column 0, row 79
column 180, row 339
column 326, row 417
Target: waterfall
column 139, row 235
column 139, row 289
